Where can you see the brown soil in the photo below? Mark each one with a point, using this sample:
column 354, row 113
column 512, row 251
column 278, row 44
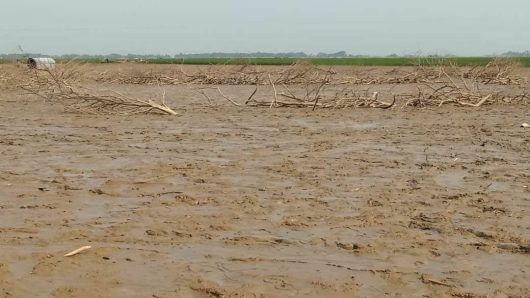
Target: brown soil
column 229, row 201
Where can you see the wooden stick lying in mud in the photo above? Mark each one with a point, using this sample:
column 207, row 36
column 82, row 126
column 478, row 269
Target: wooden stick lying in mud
column 478, row 104
column 75, row 252
column 434, row 281
column 252, row 95
column 273, row 103
column 227, row 98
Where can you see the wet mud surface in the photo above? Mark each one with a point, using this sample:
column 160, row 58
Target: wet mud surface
column 231, row 201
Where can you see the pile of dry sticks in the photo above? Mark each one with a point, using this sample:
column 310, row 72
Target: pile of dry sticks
column 301, row 85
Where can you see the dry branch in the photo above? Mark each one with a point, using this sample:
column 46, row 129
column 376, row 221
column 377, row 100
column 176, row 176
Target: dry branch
column 202, row 90
column 460, row 91
column 77, row 251
column 300, row 85
column 61, row 85
column 499, row 71
column 273, row 103
column 319, row 96
column 299, row 73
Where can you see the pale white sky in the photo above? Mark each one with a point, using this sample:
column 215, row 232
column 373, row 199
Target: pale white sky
column 373, row 27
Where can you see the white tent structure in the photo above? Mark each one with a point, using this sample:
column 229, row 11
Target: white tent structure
column 41, row 63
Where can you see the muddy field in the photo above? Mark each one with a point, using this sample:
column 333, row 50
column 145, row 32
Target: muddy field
column 227, row 201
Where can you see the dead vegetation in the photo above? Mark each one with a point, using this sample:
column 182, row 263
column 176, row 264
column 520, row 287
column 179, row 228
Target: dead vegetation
column 301, row 85
column 310, row 86
column 62, row 85
column 419, row 74
column 500, row 71
column 299, row 73
column 321, row 94
column 460, row 91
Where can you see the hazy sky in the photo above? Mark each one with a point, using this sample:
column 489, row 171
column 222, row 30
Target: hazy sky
column 375, row 27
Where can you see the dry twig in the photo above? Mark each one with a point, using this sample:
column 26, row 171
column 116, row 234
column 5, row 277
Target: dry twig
column 77, row 251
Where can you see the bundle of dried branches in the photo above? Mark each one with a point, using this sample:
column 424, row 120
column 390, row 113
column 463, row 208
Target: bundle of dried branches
column 460, row 91
column 302, row 72
column 61, row 85
column 138, row 78
column 330, row 101
column 299, row 73
column 245, row 75
column 208, row 77
column 414, row 77
column 321, row 95
column 499, row 71
column 419, row 74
